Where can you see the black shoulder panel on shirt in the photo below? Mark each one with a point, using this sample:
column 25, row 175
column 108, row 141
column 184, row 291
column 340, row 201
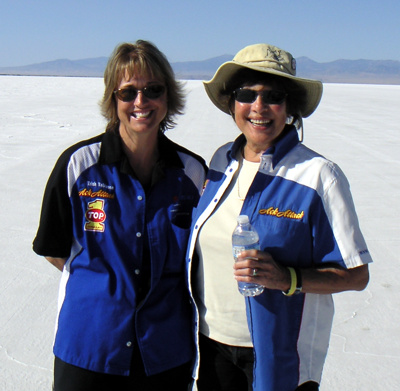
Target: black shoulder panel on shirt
column 54, row 235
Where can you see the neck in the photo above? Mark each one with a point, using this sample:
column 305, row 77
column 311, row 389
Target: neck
column 142, row 154
column 253, row 154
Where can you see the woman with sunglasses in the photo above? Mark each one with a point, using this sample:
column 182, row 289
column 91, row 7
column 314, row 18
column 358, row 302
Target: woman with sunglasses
column 309, row 237
column 115, row 219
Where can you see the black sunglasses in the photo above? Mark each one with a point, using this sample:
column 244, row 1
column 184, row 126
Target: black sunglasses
column 128, row 94
column 271, row 97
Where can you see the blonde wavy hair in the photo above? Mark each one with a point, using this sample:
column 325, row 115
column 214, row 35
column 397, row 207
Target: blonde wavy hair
column 140, row 58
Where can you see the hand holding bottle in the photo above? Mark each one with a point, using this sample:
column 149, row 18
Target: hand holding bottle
column 245, row 237
column 254, row 266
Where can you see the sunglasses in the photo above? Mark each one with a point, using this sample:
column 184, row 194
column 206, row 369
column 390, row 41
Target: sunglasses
column 271, row 97
column 129, row 94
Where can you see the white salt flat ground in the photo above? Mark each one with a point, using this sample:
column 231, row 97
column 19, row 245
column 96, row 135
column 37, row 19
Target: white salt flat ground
column 357, row 126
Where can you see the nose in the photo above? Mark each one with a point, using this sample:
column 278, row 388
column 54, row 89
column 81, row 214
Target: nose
column 140, row 98
column 259, row 104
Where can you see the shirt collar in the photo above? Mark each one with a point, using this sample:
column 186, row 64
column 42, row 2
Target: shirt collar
column 112, row 152
column 288, row 141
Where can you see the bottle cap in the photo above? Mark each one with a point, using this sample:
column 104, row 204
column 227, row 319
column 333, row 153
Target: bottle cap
column 243, row 219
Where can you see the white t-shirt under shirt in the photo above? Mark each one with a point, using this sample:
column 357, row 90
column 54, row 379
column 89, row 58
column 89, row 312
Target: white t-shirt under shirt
column 222, row 308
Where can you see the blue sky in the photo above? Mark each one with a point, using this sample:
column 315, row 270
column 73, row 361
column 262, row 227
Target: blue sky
column 189, row 30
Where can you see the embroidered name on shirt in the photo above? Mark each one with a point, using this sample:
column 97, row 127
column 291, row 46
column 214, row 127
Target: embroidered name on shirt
column 289, row 214
column 93, row 194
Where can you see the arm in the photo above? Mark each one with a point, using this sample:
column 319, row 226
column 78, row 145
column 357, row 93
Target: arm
column 57, row 262
column 334, row 280
column 324, row 280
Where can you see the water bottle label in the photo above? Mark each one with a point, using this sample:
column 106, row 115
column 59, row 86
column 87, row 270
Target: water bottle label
column 238, row 249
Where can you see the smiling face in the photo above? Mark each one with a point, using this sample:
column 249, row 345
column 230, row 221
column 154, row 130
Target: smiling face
column 142, row 116
column 261, row 123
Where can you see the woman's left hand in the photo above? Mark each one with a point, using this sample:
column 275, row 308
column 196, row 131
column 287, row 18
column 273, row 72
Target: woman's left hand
column 259, row 267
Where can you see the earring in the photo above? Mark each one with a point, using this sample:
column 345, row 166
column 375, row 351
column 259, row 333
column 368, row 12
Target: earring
column 289, row 120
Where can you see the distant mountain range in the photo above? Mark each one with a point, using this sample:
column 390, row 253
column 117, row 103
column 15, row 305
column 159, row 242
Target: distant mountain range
column 340, row 71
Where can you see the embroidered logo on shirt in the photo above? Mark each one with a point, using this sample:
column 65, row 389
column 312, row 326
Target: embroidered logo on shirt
column 289, row 214
column 95, row 216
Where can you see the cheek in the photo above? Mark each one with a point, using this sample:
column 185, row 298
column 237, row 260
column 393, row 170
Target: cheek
column 280, row 111
column 121, row 108
column 239, row 111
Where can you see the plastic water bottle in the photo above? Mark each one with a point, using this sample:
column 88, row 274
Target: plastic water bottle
column 245, row 237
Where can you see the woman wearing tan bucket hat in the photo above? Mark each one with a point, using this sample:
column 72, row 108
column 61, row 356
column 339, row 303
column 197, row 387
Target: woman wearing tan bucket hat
column 310, row 240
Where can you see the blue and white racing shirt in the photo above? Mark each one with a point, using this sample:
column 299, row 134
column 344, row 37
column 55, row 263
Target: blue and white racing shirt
column 124, row 281
column 300, row 204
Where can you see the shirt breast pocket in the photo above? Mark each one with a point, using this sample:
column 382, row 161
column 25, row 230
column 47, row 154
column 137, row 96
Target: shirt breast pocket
column 181, row 214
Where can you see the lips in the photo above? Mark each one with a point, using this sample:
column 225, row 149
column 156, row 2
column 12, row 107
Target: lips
column 260, row 122
column 141, row 114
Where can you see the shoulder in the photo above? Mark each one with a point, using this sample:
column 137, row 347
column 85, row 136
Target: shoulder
column 326, row 167
column 66, row 155
column 311, row 169
column 221, row 157
column 75, row 154
column 194, row 166
column 186, row 155
column 81, row 144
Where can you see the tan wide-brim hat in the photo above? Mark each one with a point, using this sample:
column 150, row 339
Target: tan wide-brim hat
column 267, row 59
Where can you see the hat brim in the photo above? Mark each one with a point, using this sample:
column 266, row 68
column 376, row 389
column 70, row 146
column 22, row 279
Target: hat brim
column 216, row 87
